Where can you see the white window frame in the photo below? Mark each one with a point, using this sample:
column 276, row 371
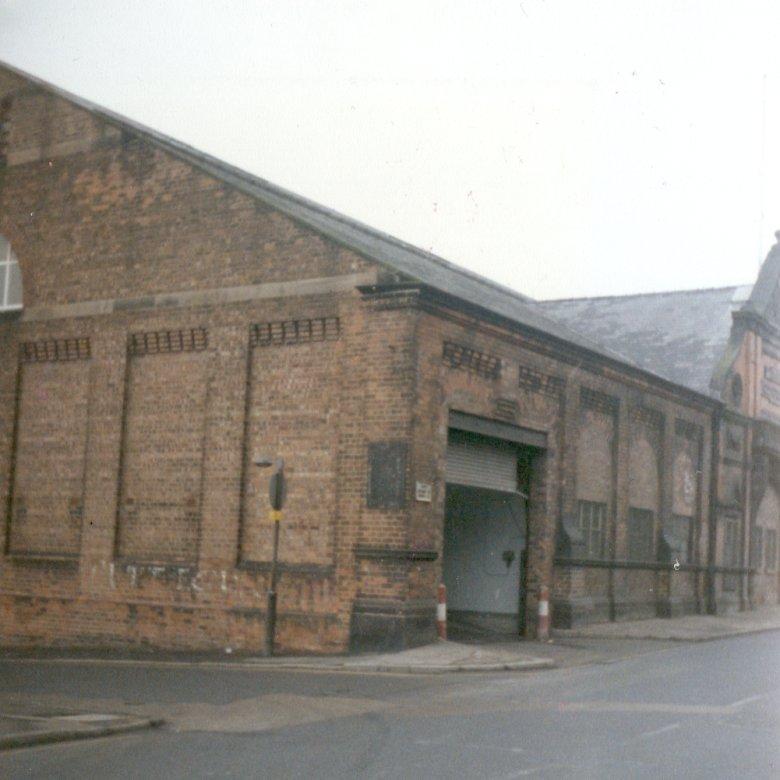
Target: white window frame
column 7, row 262
column 592, row 518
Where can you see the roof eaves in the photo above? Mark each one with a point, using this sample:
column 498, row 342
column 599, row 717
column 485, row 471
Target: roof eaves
column 630, row 296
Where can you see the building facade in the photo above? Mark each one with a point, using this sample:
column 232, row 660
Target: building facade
column 167, row 318
column 723, row 343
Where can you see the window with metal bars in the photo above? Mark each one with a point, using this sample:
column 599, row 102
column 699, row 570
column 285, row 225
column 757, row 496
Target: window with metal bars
column 730, row 553
column 756, row 547
column 593, row 525
column 641, row 544
column 770, row 550
column 10, row 279
column 731, row 543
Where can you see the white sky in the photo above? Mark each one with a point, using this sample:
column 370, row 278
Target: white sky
column 563, row 148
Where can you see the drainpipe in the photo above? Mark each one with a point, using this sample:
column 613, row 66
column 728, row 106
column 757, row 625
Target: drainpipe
column 712, row 540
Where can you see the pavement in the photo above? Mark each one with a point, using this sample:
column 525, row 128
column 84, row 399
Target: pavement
column 688, row 628
column 27, row 721
column 436, row 658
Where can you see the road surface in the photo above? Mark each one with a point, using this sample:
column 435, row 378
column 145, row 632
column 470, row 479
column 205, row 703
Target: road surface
column 707, row 710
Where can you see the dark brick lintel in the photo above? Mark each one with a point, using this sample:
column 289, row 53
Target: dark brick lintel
column 311, row 569
column 395, row 554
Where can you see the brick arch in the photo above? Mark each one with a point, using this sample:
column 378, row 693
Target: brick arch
column 684, row 484
column 768, row 515
column 644, row 486
column 594, row 456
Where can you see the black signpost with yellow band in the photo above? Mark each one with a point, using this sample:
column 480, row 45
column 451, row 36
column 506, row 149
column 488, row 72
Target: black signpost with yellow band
column 276, row 495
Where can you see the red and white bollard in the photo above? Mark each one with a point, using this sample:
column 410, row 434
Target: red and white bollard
column 441, row 612
column 543, row 624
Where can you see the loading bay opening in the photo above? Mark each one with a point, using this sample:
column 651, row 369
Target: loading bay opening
column 486, row 529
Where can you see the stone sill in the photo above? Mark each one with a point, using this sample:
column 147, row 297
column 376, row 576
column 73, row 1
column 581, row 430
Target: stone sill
column 44, row 559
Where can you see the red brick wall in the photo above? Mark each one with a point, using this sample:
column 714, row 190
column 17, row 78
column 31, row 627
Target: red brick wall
column 114, row 217
column 163, row 439
column 173, row 539
column 48, row 476
column 162, row 457
column 584, row 459
column 293, row 414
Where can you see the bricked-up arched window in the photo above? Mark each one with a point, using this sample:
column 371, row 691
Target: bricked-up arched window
column 10, row 279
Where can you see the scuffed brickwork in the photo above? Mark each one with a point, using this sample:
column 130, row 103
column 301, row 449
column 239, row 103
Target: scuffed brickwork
column 162, row 459
column 125, row 220
column 293, row 415
column 50, row 458
column 173, row 544
column 595, row 462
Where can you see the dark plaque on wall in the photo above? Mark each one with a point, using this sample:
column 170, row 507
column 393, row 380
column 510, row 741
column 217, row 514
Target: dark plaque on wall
column 386, row 475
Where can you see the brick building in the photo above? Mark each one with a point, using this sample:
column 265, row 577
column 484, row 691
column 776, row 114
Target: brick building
column 724, row 343
column 165, row 318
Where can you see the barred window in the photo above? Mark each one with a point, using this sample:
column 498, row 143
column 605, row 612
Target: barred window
column 678, row 533
column 641, row 544
column 731, row 544
column 770, row 550
column 756, row 546
column 10, row 279
column 593, row 524
column 731, row 549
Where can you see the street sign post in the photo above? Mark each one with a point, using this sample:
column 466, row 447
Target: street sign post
column 276, row 495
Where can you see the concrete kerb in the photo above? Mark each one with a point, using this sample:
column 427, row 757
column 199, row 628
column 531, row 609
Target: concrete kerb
column 400, row 663
column 690, row 628
column 71, row 733
column 575, row 634
column 402, row 668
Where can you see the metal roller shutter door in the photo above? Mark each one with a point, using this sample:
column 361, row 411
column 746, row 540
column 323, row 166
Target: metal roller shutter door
column 479, row 463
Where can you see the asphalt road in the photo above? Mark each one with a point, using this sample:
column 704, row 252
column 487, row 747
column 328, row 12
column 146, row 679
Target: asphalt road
column 709, row 710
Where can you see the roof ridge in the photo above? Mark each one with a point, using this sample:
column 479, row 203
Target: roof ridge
column 643, row 294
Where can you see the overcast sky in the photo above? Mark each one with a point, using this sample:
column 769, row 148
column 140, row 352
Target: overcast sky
column 563, row 148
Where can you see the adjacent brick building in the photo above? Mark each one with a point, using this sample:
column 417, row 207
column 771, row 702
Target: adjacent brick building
column 165, row 318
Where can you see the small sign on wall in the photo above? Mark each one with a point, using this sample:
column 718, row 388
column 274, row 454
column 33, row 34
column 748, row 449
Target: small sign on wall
column 423, row 491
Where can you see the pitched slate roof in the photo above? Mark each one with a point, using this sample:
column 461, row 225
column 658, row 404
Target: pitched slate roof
column 681, row 336
column 765, row 288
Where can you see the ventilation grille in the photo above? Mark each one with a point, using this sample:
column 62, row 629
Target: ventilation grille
column 648, row 416
column 167, row 341
column 600, row 402
column 467, row 359
column 265, row 334
column 537, row 382
column 506, row 409
column 689, row 430
column 53, row 350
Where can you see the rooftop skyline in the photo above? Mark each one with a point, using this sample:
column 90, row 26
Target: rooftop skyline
column 561, row 150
